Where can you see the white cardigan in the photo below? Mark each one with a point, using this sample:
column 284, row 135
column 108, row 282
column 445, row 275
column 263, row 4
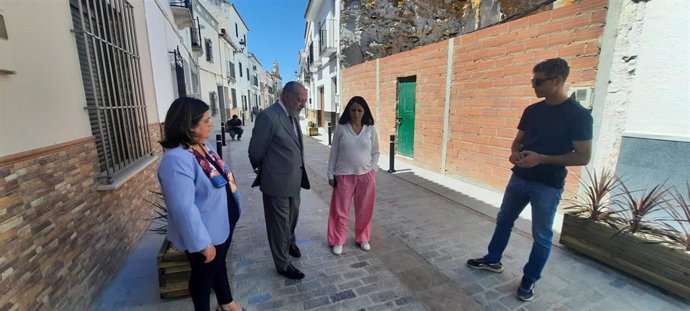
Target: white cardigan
column 353, row 154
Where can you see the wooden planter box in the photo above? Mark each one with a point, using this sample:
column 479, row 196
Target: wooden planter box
column 173, row 272
column 658, row 264
column 313, row 131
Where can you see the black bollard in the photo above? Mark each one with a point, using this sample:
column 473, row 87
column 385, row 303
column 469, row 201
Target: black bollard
column 391, row 162
column 219, row 145
column 222, row 132
column 251, row 117
column 330, row 130
column 243, row 119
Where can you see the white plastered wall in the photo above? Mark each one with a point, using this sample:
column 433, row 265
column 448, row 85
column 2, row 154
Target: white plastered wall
column 644, row 77
column 660, row 97
column 42, row 103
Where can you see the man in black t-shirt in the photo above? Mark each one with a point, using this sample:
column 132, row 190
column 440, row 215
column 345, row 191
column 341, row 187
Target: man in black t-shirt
column 235, row 125
column 552, row 134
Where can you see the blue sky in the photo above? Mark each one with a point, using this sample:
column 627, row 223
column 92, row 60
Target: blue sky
column 276, row 32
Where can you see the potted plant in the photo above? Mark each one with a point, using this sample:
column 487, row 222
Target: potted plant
column 622, row 228
column 173, row 267
column 312, row 130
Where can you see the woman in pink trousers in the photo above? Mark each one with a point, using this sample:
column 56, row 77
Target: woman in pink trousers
column 352, row 167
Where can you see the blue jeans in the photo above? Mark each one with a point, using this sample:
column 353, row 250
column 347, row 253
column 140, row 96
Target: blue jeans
column 544, row 200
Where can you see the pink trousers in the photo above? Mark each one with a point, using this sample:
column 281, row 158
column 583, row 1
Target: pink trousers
column 363, row 189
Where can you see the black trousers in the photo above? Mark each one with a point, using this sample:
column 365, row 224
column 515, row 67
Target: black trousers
column 238, row 131
column 212, row 275
column 207, row 276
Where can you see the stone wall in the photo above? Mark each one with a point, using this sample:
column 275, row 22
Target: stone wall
column 373, row 29
column 62, row 241
column 489, row 88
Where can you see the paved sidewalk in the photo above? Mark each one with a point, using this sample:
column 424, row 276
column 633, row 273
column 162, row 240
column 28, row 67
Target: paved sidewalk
column 423, row 232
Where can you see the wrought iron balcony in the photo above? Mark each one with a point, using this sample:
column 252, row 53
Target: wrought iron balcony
column 183, row 13
column 195, row 35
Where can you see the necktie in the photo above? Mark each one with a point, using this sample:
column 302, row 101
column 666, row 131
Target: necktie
column 294, row 123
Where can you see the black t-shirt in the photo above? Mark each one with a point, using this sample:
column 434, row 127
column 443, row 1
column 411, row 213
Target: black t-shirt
column 551, row 130
column 234, row 123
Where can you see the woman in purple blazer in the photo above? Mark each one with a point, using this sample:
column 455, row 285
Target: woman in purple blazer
column 202, row 200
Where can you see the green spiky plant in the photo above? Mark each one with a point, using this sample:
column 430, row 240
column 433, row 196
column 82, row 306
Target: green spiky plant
column 679, row 209
column 160, row 219
column 598, row 197
column 638, row 209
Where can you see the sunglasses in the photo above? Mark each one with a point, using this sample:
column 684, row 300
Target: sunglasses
column 539, row 81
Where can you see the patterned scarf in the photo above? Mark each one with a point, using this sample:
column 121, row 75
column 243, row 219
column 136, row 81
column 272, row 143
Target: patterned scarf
column 217, row 179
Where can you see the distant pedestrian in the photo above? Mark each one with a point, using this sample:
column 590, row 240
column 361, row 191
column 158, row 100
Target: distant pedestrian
column 352, row 167
column 276, row 154
column 552, row 134
column 202, row 201
column 234, row 126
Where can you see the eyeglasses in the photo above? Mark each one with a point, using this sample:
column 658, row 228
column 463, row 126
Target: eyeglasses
column 539, row 81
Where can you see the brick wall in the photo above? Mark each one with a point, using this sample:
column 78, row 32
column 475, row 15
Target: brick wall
column 489, row 90
column 62, row 241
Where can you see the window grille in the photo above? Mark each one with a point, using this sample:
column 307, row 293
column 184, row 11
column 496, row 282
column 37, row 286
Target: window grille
column 231, row 70
column 109, row 59
column 209, row 50
column 234, row 98
column 213, row 103
column 195, row 87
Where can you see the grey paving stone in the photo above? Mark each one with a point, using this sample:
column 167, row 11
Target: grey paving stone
column 316, row 302
column 364, row 290
column 381, row 307
column 496, row 306
column 490, row 282
column 347, row 294
column 421, row 278
column 510, row 301
column 360, row 264
column 355, row 303
column 350, row 285
column 404, row 300
column 491, row 295
column 354, row 274
column 272, row 305
column 308, row 286
column 383, row 296
column 537, row 305
column 374, row 268
column 584, row 300
column 260, row 298
column 414, row 306
column 473, row 289
column 322, row 291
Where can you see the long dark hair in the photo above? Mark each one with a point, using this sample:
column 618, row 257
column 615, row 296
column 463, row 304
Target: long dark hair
column 367, row 118
column 183, row 115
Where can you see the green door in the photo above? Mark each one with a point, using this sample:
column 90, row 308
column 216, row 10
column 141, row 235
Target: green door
column 405, row 122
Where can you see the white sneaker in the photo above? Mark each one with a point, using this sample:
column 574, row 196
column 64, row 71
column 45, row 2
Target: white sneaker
column 365, row 246
column 338, row 249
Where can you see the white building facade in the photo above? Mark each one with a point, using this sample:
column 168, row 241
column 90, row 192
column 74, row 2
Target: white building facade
column 642, row 98
column 199, row 49
column 319, row 68
column 270, row 86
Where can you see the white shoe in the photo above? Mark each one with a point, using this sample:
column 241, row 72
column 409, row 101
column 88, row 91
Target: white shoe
column 365, row 246
column 338, row 249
